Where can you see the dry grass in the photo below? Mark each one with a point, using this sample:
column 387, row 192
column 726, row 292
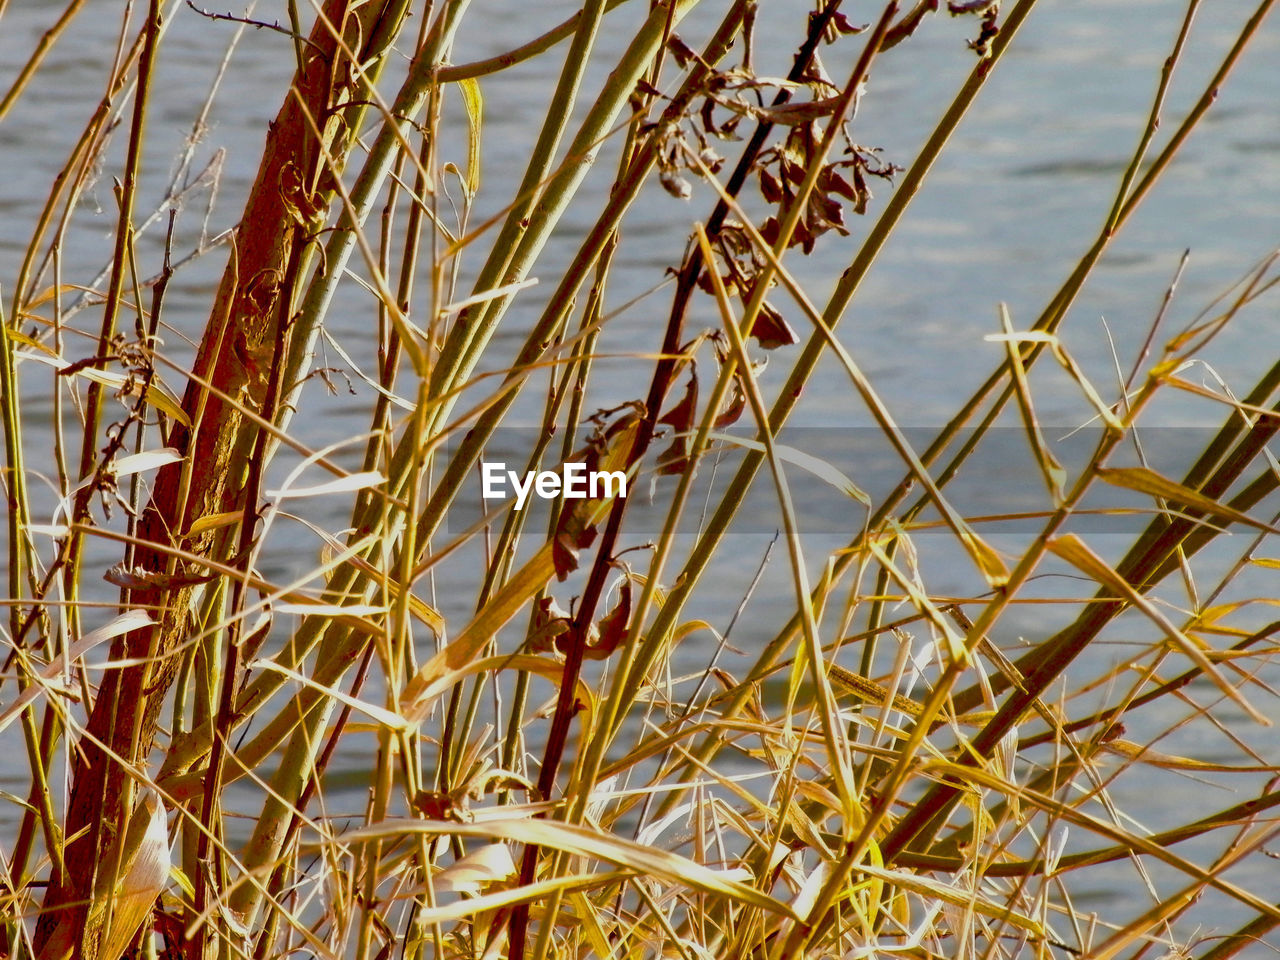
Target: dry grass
column 886, row 775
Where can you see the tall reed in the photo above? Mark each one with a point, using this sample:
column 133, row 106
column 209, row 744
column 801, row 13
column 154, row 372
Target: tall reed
column 886, row 773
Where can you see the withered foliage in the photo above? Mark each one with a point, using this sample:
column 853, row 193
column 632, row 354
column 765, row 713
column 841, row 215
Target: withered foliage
column 665, row 799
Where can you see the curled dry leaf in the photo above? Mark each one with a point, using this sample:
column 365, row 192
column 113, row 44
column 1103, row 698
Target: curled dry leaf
column 550, row 624
column 771, row 330
column 489, row 864
column 140, row 578
column 553, row 629
column 905, row 27
column 613, row 625
column 127, row 898
column 675, row 184
column 675, row 458
column 842, row 26
column 770, row 186
column 732, row 411
column 574, row 532
column 681, row 417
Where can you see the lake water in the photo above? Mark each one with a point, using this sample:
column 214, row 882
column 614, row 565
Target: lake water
column 1016, row 198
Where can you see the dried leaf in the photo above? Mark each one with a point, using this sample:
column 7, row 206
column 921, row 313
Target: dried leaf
column 770, row 186
column 322, row 609
column 771, row 330
column 729, row 281
column 707, row 114
column 793, row 166
column 844, row 26
column 127, row 622
column 145, row 875
column 613, row 625
column 140, row 578
column 212, row 522
column 489, row 864
column 907, row 25
column 474, row 102
column 681, row 416
column 806, row 461
column 825, row 214
column 1141, row 754
column 144, row 870
column 574, row 532
column 788, row 114
column 863, row 193
column 830, row 181
column 675, row 459
column 674, row 184
column 803, row 237
column 550, row 623
column 733, row 411
column 48, row 293
column 681, row 51
column 158, row 397
column 645, row 87
column 379, row 715
column 147, row 460
column 19, row 337
column 1154, row 484
column 770, row 231
column 352, row 481
column 988, row 561
column 960, row 7
column 55, row 530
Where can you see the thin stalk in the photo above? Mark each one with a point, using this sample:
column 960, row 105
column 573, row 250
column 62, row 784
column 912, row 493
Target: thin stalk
column 559, row 303
column 837, row 751
column 502, row 251
column 292, row 774
column 42, row 48
column 22, row 555
column 412, row 97
column 636, row 661
column 126, row 710
column 659, row 385
column 850, row 281
column 152, row 31
column 526, row 51
column 470, row 329
column 555, row 198
column 472, row 333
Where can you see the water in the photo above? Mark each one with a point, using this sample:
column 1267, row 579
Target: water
column 1017, row 197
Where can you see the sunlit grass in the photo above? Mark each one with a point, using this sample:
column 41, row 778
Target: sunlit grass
column 545, row 773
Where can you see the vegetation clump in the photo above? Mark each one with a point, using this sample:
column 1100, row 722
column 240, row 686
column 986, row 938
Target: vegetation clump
column 559, row 749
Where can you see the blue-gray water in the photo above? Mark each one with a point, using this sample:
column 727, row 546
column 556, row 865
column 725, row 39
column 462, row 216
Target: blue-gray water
column 1018, row 195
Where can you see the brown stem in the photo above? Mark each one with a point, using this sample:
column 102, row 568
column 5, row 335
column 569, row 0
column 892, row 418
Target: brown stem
column 233, row 357
column 659, row 385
